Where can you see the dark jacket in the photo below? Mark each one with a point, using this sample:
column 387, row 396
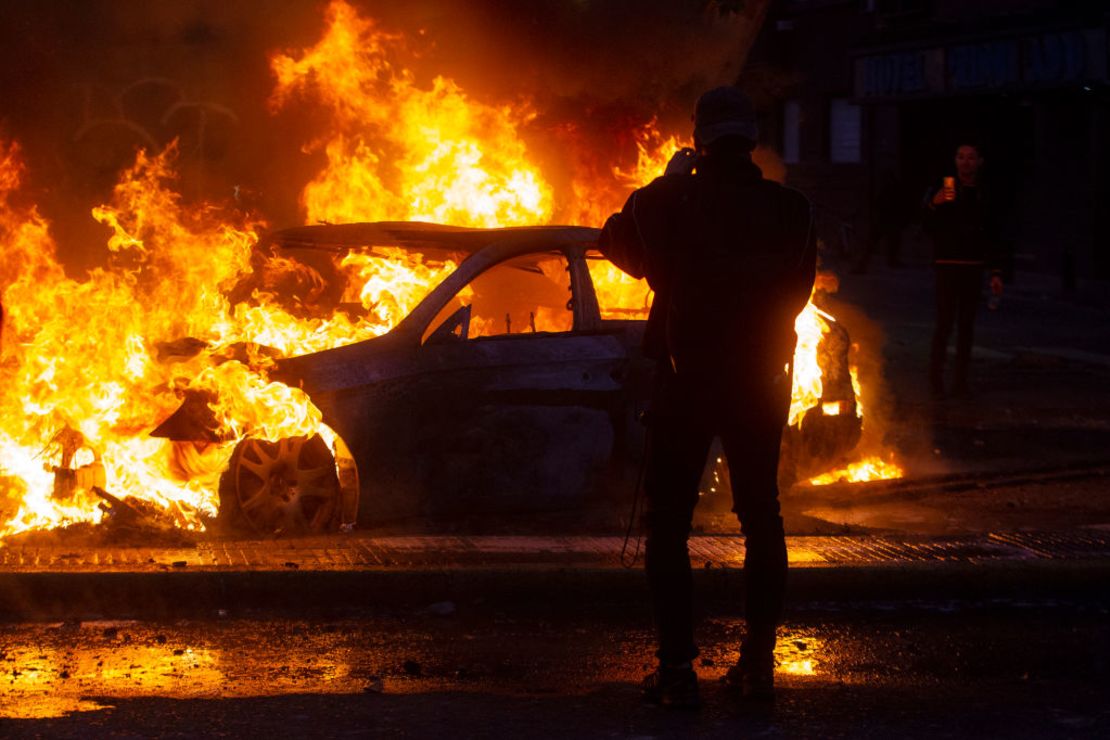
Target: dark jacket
column 731, row 259
column 964, row 231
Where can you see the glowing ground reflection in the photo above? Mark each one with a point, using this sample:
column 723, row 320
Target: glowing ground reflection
column 798, row 654
column 73, row 668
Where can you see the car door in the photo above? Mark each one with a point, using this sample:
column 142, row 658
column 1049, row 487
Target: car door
column 519, row 393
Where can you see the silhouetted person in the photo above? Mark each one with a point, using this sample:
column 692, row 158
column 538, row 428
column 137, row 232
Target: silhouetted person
column 731, row 259
column 960, row 218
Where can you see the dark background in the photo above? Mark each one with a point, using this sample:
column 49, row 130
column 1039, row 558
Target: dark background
column 1045, row 141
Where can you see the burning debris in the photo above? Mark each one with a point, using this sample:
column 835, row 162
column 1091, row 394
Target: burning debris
column 136, row 521
column 71, row 477
column 824, row 440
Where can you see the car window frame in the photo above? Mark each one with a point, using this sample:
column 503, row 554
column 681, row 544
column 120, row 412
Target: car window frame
column 586, row 316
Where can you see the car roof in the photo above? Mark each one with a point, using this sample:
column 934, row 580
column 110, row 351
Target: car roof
column 416, row 235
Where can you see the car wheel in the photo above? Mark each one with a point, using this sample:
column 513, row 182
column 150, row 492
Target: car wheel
column 286, row 487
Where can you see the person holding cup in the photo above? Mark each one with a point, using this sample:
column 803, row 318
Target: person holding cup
column 962, row 223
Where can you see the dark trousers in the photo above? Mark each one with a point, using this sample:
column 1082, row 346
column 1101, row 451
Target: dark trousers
column 958, row 289
column 684, row 420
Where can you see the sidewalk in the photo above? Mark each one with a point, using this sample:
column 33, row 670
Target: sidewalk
column 1040, row 373
column 345, row 573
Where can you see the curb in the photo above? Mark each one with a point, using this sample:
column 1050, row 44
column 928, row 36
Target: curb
column 35, row 596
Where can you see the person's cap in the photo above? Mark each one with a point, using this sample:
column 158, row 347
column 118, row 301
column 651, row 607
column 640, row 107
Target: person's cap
column 724, row 111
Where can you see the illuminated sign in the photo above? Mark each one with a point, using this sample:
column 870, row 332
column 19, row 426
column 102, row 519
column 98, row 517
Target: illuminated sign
column 1046, row 59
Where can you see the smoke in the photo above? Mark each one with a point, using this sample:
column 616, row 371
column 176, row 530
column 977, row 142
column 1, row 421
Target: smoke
column 87, row 82
column 654, row 54
column 770, row 162
column 874, row 394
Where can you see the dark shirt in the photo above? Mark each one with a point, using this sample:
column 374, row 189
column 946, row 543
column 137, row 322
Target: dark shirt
column 731, row 259
column 964, row 231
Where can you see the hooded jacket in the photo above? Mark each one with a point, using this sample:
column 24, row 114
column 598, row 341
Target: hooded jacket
column 731, row 258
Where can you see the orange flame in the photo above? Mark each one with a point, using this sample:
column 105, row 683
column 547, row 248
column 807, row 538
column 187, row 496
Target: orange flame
column 399, row 151
column 106, row 357
column 868, row 469
column 807, row 389
column 811, row 327
column 619, row 295
column 392, row 282
column 596, row 196
column 81, row 355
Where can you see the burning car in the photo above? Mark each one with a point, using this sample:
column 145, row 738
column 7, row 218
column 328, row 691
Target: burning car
column 349, row 373
column 513, row 386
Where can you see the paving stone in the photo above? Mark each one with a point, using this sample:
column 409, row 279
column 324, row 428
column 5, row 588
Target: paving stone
column 354, row 552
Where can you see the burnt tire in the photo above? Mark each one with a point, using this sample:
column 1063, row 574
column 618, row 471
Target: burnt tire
column 288, row 487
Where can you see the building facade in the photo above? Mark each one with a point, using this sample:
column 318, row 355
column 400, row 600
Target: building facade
column 869, row 98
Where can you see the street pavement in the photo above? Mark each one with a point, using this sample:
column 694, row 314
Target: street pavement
column 1040, row 374
column 562, row 668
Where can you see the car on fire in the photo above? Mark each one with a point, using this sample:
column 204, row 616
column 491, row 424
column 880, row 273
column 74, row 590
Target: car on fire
column 507, row 389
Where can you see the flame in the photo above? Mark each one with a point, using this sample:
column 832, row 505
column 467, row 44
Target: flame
column 392, row 282
column 401, row 151
column 399, row 148
column 811, row 327
column 596, row 194
column 868, row 469
column 101, row 361
column 619, row 295
column 79, row 354
column 653, row 150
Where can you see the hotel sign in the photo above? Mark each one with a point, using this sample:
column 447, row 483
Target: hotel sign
column 1041, row 60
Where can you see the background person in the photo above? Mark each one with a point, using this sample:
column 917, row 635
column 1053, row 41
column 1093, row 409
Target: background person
column 961, row 219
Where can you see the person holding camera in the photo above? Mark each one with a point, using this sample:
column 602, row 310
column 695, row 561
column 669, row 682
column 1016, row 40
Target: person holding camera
column 731, row 258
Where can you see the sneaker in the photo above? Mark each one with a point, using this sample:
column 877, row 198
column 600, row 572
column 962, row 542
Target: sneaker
column 752, row 678
column 674, row 688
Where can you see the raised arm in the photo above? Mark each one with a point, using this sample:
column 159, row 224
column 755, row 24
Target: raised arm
column 622, row 242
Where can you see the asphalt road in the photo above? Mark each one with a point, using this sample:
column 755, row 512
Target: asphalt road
column 1039, row 372
column 563, row 670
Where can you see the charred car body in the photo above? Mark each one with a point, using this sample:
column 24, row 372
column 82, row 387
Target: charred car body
column 504, row 390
